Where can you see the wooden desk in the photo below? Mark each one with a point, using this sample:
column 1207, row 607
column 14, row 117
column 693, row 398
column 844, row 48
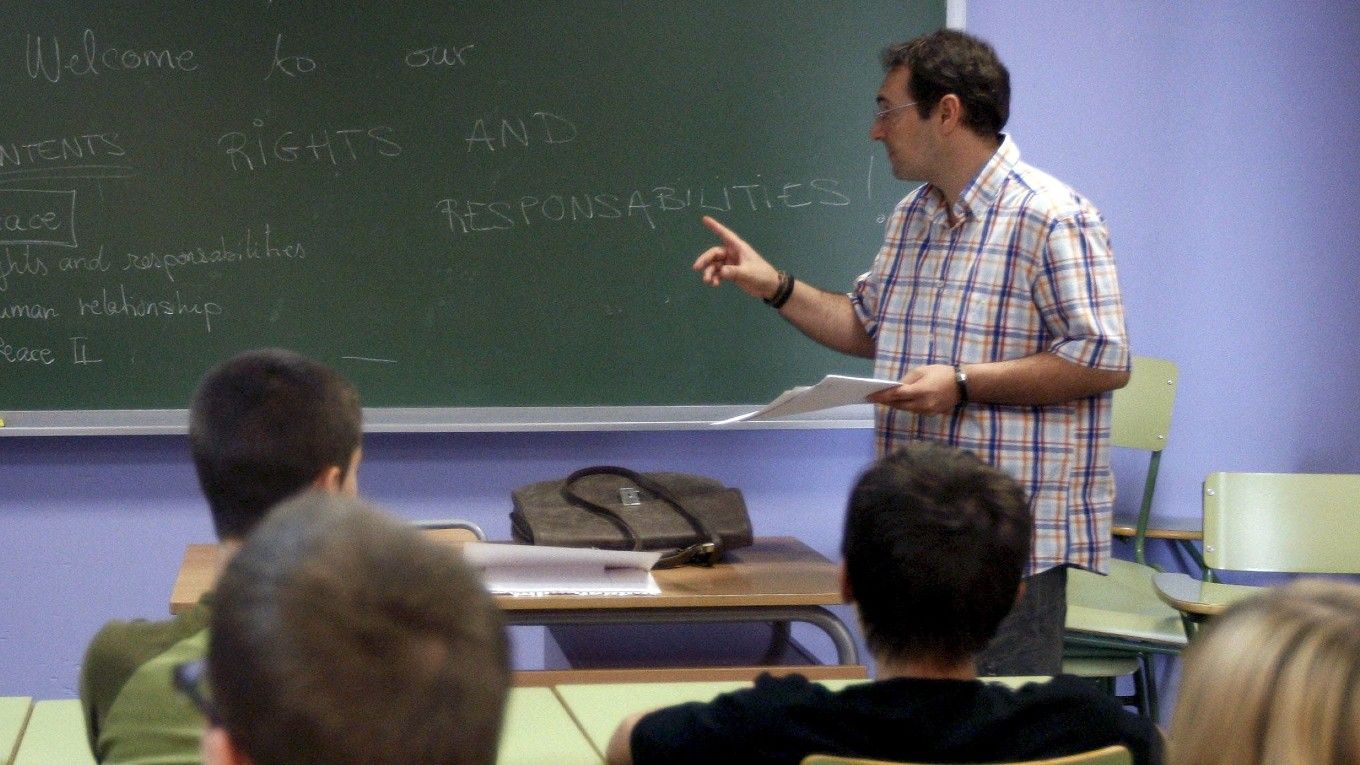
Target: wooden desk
column 776, row 580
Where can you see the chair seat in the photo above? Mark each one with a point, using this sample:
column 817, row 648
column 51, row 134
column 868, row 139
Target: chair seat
column 1189, row 529
column 1200, row 598
column 1123, row 604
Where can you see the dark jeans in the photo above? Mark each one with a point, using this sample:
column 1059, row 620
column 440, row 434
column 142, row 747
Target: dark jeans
column 1030, row 639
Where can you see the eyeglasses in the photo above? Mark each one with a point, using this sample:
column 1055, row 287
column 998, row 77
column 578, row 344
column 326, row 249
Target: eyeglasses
column 189, row 681
column 879, row 116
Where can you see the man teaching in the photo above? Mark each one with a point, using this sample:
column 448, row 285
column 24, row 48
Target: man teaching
column 994, row 302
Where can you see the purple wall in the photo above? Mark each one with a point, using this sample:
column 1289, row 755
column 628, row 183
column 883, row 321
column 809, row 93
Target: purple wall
column 1221, row 142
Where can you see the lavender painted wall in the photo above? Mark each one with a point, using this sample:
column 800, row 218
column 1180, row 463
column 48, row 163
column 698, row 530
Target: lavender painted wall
column 1219, row 139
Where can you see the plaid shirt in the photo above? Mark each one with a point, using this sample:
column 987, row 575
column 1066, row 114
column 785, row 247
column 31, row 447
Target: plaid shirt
column 1026, row 268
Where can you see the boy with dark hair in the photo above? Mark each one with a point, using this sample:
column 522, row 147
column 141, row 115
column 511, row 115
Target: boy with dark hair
column 263, row 426
column 341, row 636
column 935, row 546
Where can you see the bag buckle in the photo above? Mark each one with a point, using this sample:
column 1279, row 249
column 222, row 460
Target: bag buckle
column 630, row 497
column 705, row 553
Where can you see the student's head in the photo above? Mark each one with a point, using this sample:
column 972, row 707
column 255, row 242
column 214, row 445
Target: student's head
column 264, row 426
column 1275, row 679
column 341, row 636
column 952, row 62
column 935, row 545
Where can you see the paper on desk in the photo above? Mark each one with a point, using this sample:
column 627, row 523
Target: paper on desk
column 832, row 391
column 514, row 569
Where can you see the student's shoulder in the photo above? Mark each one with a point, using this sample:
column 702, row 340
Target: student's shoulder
column 120, row 647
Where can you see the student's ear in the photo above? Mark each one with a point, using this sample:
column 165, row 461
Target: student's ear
column 219, row 749
column 846, row 591
column 337, row 481
column 331, row 480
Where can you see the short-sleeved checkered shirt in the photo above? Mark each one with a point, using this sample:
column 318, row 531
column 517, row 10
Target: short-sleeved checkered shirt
column 1026, row 268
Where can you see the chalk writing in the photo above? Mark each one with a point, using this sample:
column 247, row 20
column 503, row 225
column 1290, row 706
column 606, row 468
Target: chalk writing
column 437, row 56
column 34, row 311
column 37, row 217
column 48, row 62
column 96, row 264
column 466, row 216
column 26, row 264
column 135, row 307
column 250, row 247
column 25, row 354
column 289, row 66
column 253, row 150
column 80, row 352
column 548, row 127
column 61, row 149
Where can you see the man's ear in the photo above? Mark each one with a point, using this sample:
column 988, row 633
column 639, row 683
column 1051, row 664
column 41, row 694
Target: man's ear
column 219, row 749
column 846, row 591
column 949, row 112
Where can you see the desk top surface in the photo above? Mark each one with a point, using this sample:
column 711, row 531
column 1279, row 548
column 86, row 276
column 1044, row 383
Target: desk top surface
column 539, row 729
column 775, row 571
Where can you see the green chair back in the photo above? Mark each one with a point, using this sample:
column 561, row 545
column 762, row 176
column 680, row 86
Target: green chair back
column 1141, row 419
column 1142, row 409
column 1282, row 522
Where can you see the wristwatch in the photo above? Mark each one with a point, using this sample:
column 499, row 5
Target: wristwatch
column 961, row 382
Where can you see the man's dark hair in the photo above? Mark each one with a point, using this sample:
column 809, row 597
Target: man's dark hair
column 948, row 61
column 342, row 636
column 262, row 427
column 935, row 545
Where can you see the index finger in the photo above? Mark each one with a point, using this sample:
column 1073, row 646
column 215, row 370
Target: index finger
column 724, row 233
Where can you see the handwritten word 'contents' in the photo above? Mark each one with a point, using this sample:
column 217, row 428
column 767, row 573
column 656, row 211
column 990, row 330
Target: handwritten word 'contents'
column 254, row 150
column 468, row 216
column 60, row 149
column 543, row 127
column 46, row 60
column 251, row 247
column 123, row 304
column 439, row 56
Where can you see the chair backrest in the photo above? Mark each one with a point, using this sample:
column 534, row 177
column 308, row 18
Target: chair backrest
column 1141, row 419
column 1110, row 755
column 1141, row 410
column 452, row 530
column 1285, row 522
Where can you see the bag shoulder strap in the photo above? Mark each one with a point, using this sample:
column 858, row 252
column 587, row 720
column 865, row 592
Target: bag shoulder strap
column 705, row 553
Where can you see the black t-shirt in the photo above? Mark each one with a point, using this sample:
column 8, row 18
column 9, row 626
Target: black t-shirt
column 781, row 720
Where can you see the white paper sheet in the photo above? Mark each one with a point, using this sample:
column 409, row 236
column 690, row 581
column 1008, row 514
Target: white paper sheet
column 529, row 570
column 831, row 392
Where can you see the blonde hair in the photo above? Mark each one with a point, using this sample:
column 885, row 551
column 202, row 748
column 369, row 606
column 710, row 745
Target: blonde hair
column 1274, row 681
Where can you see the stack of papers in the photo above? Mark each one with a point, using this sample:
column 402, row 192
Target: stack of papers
column 832, row 391
column 535, row 570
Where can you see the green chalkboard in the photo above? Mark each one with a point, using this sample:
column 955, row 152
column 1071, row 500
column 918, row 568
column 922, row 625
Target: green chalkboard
column 470, row 204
